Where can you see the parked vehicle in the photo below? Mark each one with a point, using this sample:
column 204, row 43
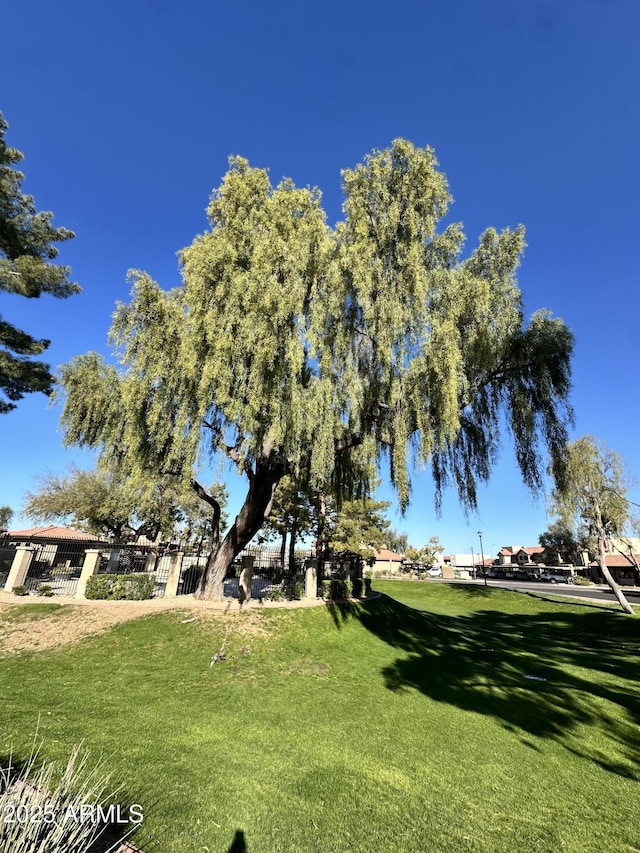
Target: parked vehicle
column 555, row 577
column 434, row 572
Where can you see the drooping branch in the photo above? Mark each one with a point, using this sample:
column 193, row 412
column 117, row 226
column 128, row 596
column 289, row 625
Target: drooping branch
column 215, row 506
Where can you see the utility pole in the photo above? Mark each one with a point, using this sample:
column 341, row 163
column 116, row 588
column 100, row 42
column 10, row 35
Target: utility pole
column 484, row 570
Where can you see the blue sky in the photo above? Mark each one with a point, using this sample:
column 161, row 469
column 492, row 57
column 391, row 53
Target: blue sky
column 127, row 112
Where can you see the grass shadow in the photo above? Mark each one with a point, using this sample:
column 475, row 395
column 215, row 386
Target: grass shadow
column 540, row 675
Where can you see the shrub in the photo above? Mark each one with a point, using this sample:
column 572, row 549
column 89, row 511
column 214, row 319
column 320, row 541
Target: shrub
column 297, row 591
column 20, row 590
column 582, row 581
column 45, row 589
column 336, row 590
column 132, row 587
column 276, row 593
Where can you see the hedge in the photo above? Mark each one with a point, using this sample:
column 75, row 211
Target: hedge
column 133, row 587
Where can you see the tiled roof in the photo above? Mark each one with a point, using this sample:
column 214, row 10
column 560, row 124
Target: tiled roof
column 618, row 561
column 53, row 532
column 510, row 549
column 385, row 554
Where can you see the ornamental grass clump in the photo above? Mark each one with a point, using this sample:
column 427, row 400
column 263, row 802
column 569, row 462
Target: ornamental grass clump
column 42, row 810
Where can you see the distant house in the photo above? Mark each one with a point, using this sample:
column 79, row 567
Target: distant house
column 52, row 533
column 621, row 568
column 387, row 561
column 517, row 555
column 54, row 544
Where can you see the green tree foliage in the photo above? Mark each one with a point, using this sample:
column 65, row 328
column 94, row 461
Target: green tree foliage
column 292, row 516
column 561, row 544
column 107, row 504
column 199, row 522
column 428, row 554
column 296, row 348
column 360, row 527
column 26, row 250
column 593, row 493
column 395, row 541
column 6, row 514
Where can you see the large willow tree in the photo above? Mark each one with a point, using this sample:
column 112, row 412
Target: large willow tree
column 297, row 348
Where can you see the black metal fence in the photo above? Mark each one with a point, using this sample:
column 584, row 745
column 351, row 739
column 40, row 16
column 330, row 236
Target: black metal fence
column 125, row 559
column 55, row 568
column 7, row 553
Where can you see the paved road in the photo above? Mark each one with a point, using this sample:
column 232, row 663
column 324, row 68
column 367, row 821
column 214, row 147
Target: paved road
column 596, row 592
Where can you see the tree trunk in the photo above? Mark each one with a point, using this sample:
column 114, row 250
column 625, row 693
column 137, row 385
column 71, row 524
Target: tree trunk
column 254, row 511
column 283, row 549
column 293, row 535
column 602, row 559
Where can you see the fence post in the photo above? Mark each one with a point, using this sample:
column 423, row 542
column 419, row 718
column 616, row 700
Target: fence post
column 173, row 578
column 246, row 576
column 311, row 579
column 89, row 568
column 19, row 567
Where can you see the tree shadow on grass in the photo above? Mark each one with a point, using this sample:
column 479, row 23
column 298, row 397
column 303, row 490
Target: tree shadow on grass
column 541, row 675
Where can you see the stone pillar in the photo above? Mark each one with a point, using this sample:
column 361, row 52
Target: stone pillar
column 246, row 576
column 151, row 563
column 19, row 567
column 89, row 568
column 311, row 579
column 173, row 578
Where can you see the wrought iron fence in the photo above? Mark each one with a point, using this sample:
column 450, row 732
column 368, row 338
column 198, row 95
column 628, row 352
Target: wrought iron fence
column 123, row 559
column 7, row 553
column 55, row 568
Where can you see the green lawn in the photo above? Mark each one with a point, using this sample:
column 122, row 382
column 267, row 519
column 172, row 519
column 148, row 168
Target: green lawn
column 405, row 724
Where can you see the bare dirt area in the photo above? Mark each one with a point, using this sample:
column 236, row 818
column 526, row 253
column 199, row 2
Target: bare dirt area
column 28, row 625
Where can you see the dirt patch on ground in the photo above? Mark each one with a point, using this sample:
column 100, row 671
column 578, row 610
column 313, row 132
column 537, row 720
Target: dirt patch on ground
column 35, row 632
column 38, row 627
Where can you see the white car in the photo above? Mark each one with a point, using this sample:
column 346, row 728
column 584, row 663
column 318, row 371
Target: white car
column 434, row 572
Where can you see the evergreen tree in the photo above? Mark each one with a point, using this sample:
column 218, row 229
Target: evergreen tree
column 360, row 527
column 26, row 250
column 296, row 348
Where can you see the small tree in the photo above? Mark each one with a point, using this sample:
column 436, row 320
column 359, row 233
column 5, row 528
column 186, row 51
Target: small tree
column 360, row 527
column 428, row 554
column 292, row 346
column 26, row 249
column 593, row 492
column 398, row 542
column 292, row 515
column 560, row 543
column 6, row 514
